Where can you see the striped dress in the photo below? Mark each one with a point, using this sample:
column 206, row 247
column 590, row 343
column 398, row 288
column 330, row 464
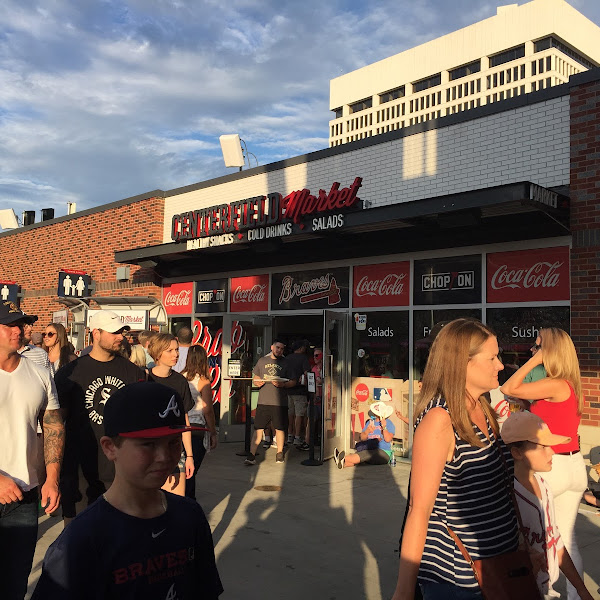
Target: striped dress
column 473, row 500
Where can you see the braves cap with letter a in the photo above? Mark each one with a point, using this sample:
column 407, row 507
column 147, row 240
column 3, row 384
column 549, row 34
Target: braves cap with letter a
column 11, row 313
column 524, row 426
column 107, row 320
column 145, row 410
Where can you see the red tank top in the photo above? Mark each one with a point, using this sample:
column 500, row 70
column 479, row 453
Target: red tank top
column 561, row 418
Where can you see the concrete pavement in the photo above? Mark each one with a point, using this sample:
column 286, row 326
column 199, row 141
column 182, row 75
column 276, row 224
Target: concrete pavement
column 286, row 531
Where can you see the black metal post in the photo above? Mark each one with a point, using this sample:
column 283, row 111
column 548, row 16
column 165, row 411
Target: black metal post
column 311, row 461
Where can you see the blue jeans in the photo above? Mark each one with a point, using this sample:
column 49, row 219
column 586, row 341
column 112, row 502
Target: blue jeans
column 18, row 537
column 447, row 591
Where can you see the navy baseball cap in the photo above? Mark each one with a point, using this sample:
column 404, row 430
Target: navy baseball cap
column 11, row 313
column 145, row 410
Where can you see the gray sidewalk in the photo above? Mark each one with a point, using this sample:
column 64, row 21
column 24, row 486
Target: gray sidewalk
column 327, row 534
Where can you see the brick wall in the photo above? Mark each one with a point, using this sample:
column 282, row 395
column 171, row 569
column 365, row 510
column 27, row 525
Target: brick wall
column 585, row 255
column 87, row 242
column 529, row 143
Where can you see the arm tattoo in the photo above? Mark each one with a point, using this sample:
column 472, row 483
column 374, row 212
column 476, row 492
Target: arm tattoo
column 54, row 436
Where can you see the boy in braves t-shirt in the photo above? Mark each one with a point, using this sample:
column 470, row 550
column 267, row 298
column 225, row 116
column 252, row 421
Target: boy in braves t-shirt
column 136, row 541
column 529, row 440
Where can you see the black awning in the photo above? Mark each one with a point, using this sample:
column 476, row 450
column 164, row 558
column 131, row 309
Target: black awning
column 518, row 211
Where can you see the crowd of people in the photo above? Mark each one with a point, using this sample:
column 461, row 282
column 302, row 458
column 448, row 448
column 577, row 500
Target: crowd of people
column 488, row 501
column 135, row 431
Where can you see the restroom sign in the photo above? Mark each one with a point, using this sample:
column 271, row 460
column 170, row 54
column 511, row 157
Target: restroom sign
column 73, row 284
column 9, row 291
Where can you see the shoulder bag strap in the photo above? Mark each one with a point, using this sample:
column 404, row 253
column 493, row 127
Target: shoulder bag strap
column 465, row 553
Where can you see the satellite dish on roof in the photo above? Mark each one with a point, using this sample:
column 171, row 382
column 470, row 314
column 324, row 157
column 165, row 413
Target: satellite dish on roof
column 8, row 219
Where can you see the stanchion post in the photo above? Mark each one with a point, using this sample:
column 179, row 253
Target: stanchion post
column 311, row 461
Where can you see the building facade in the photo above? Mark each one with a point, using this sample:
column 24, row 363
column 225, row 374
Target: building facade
column 520, row 50
column 365, row 249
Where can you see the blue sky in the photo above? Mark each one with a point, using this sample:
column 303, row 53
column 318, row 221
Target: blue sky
column 105, row 99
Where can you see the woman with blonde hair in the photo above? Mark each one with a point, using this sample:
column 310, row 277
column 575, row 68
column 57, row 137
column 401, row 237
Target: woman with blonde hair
column 164, row 350
column 138, row 356
column 458, row 475
column 57, row 345
column 197, row 373
column 558, row 400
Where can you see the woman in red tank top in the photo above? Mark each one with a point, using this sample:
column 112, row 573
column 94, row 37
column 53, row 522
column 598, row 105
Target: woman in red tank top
column 560, row 407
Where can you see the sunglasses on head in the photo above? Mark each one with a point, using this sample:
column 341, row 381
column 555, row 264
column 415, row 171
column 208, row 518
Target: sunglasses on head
column 49, row 334
column 318, row 354
column 536, row 347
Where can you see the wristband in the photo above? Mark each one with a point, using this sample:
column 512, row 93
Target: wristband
column 189, row 456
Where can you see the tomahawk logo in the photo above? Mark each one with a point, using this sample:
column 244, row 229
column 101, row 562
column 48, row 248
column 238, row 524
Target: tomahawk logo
column 172, row 406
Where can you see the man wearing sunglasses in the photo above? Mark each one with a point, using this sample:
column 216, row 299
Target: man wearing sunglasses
column 84, row 386
column 27, row 396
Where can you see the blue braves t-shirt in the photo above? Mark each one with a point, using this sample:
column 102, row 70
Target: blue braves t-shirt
column 378, row 434
column 105, row 553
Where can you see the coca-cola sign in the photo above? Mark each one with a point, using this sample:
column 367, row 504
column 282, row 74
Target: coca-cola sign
column 177, row 298
column 249, row 294
column 528, row 275
column 310, row 289
column 381, row 285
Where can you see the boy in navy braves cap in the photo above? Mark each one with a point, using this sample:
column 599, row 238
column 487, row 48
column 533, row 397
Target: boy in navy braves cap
column 136, row 541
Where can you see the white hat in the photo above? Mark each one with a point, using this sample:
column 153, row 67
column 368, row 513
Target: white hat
column 380, row 409
column 107, row 320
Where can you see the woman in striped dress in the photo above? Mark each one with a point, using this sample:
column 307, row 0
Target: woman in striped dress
column 458, row 477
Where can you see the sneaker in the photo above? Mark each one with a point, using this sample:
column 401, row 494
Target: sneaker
column 303, row 446
column 274, row 444
column 250, row 460
column 279, row 457
column 297, row 441
column 266, row 444
column 339, row 458
column 290, row 439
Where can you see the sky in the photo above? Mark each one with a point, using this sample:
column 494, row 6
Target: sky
column 101, row 100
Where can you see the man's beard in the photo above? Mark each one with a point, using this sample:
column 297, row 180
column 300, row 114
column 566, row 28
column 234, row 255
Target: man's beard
column 109, row 349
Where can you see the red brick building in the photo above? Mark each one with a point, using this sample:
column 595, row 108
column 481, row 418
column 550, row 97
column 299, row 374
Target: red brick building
column 449, row 215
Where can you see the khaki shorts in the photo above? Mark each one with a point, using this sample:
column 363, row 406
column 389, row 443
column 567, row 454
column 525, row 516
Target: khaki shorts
column 297, row 404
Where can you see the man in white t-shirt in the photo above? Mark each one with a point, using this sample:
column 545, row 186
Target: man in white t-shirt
column 27, row 396
column 184, row 337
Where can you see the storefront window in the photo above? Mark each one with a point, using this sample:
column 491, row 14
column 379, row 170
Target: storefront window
column 517, row 329
column 247, row 346
column 380, row 370
column 427, row 324
column 176, row 323
column 208, row 332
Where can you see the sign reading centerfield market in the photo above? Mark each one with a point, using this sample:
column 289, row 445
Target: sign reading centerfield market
column 263, row 217
column 528, row 275
column 310, row 289
column 9, row 291
column 452, row 280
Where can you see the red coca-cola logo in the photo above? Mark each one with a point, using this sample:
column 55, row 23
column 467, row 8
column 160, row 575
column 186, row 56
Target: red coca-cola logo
column 249, row 294
column 177, row 298
column 361, row 391
column 181, row 299
column 528, row 275
column 381, row 285
column 255, row 294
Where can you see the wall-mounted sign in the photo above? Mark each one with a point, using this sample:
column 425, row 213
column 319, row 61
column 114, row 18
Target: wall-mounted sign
column 73, row 284
column 263, row 217
column 310, row 289
column 211, row 296
column 528, row 275
column 177, row 298
column 249, row 294
column 136, row 319
column 9, row 291
column 381, row 285
column 61, row 316
column 452, row 280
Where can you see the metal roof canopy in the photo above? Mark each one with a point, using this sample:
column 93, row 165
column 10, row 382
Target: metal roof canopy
column 498, row 214
column 157, row 314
